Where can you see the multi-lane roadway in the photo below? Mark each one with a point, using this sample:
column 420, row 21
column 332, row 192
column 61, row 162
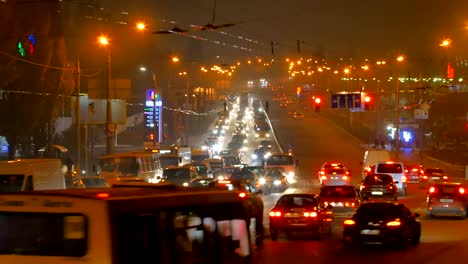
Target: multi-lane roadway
column 316, row 140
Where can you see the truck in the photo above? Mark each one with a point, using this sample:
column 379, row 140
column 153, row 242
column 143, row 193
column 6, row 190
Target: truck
column 31, row 175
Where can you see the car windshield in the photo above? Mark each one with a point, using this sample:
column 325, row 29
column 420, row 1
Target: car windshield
column 389, row 168
column 338, row 192
column 302, row 201
column 280, row 160
column 335, row 171
column 434, row 171
column 378, row 179
column 379, row 210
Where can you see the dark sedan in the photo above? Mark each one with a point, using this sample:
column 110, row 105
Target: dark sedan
column 382, row 223
column 379, row 186
column 300, row 213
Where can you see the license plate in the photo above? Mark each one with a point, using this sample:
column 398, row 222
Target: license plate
column 435, row 178
column 377, row 193
column 370, row 232
column 292, row 215
column 446, row 200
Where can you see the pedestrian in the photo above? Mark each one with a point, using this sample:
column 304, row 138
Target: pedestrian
column 267, row 106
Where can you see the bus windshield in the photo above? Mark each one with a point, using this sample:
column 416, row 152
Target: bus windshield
column 167, row 161
column 126, row 166
column 280, row 160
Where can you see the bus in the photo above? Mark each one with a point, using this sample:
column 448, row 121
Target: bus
column 285, row 161
column 130, row 167
column 199, row 155
column 183, row 154
column 127, row 224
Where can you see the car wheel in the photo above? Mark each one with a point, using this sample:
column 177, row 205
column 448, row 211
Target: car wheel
column 274, row 234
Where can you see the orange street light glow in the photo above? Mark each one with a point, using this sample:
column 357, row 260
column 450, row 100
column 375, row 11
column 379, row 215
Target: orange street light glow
column 141, row 26
column 445, row 43
column 400, row 58
column 103, row 40
column 175, row 59
column 347, row 71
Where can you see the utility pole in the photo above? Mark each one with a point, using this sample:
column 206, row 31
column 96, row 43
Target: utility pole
column 272, row 48
column 109, row 121
column 396, row 137
column 77, row 118
column 298, row 47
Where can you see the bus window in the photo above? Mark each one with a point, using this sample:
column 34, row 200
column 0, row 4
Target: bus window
column 43, row 234
column 11, row 183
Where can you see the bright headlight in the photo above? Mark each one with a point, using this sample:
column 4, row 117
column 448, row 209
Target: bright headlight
column 185, row 184
column 262, row 181
column 245, row 141
column 277, row 182
column 254, row 156
column 268, row 135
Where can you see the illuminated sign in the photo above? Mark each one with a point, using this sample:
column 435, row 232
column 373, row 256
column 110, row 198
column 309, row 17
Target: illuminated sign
column 153, row 116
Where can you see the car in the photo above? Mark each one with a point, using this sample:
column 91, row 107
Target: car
column 266, row 144
column 397, row 170
column 414, row 172
column 344, row 199
column 433, row 175
column 298, row 115
column 330, row 165
column 379, row 186
column 300, row 212
column 382, row 222
column 447, row 199
column 181, row 176
column 260, row 153
column 274, row 180
column 335, row 176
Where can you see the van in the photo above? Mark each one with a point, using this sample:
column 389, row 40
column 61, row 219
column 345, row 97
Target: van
column 397, row 171
column 372, row 157
column 31, row 175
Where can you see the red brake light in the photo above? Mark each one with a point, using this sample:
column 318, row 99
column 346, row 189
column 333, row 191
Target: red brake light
column 415, row 169
column 224, row 182
column 103, row 195
column 275, row 214
column 425, row 177
column 310, row 214
column 461, row 190
column 389, row 162
column 349, row 222
column 334, row 164
column 432, row 190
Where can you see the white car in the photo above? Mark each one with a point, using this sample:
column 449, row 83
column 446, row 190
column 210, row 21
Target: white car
column 397, row 171
column 335, row 176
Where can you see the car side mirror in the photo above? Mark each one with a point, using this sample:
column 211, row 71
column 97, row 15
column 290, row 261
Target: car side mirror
column 396, row 182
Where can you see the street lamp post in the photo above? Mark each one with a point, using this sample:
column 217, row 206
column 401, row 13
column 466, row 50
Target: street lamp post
column 396, row 136
column 104, row 41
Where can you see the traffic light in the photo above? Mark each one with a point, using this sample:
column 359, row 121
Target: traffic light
column 298, row 91
column 367, row 103
column 317, row 102
column 151, row 136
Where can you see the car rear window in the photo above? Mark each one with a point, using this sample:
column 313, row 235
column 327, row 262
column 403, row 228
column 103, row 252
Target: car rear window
column 389, row 168
column 291, row 201
column 444, row 190
column 378, row 179
column 335, row 171
column 338, row 192
column 379, row 210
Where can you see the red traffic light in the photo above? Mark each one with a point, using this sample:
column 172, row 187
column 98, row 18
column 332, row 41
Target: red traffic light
column 317, row 100
column 367, row 99
column 151, row 136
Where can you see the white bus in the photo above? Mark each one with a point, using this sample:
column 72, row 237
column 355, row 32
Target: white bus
column 130, row 167
column 183, row 153
column 125, row 225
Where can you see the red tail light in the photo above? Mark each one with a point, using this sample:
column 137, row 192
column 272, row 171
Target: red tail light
column 349, row 222
column 310, row 214
column 322, row 173
column 432, row 190
column 445, row 177
column 242, row 195
column 461, row 190
column 394, row 223
column 275, row 213
column 103, row 195
column 324, row 177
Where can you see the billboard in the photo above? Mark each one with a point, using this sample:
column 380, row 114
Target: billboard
column 94, row 111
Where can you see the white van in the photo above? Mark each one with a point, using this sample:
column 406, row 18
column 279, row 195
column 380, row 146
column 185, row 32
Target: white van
column 31, row 175
column 372, row 157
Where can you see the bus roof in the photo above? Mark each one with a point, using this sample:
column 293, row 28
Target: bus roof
column 133, row 197
column 128, row 154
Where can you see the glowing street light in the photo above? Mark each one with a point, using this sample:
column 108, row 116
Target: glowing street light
column 103, row 40
column 445, row 43
column 346, row 70
column 175, row 59
column 365, row 67
column 140, row 26
column 143, row 69
column 400, row 58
